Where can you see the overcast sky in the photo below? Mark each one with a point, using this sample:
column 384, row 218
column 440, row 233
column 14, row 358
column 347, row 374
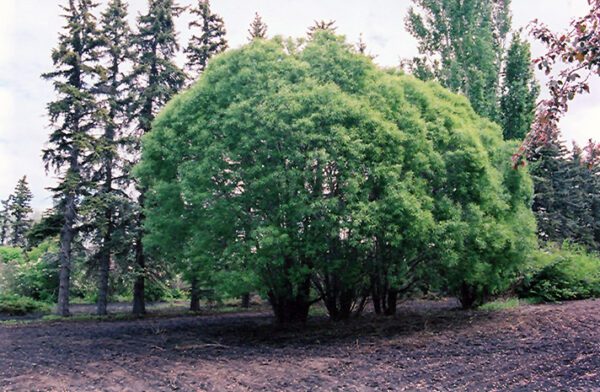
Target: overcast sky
column 29, row 30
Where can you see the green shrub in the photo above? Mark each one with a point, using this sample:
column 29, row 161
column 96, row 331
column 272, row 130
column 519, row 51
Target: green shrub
column 33, row 274
column 9, row 254
column 15, row 305
column 562, row 273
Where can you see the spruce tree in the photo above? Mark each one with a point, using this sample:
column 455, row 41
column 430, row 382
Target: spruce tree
column 210, row 41
column 4, row 221
column 549, row 172
column 19, row 212
column 592, row 163
column 520, row 91
column 258, row 28
column 321, row 25
column 468, row 39
column 108, row 208
column 73, row 117
column 577, row 205
column 157, row 78
column 361, row 45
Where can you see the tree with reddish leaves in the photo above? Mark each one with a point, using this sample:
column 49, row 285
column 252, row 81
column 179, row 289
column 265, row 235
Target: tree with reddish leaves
column 578, row 51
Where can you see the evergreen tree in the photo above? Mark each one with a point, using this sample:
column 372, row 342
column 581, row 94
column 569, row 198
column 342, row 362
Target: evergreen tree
column 567, row 192
column 549, row 170
column 520, row 91
column 19, row 212
column 468, row 39
column 577, row 199
column 47, row 227
column 211, row 40
column 4, row 221
column 258, row 28
column 321, row 25
column 157, row 79
column 592, row 163
column 108, row 209
column 361, row 45
column 73, row 117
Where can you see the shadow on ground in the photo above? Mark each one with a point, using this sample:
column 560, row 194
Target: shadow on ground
column 427, row 345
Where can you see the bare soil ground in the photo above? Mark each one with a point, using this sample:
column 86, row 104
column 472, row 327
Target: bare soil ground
column 429, row 346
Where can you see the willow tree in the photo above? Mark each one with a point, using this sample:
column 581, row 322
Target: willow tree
column 329, row 178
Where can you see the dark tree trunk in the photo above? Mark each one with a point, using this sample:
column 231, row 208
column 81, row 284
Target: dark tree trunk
column 67, row 234
column 108, row 162
column 104, row 261
column 246, row 300
column 376, row 303
column 139, row 302
column 391, row 302
column 289, row 310
column 103, row 284
column 292, row 309
column 195, row 296
column 467, row 296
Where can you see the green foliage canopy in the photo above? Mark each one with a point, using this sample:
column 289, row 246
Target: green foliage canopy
column 306, row 166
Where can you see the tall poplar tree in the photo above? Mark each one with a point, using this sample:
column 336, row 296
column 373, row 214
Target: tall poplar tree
column 258, row 28
column 520, row 91
column 210, row 41
column 19, row 213
column 463, row 41
column 156, row 79
column 73, row 116
column 109, row 207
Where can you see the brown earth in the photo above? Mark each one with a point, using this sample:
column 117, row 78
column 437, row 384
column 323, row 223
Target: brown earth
column 429, row 346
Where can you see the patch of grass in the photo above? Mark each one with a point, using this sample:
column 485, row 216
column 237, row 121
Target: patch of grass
column 317, row 311
column 15, row 305
column 90, row 317
column 502, row 304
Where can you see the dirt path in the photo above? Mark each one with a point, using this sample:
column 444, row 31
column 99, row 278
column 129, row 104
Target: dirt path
column 427, row 346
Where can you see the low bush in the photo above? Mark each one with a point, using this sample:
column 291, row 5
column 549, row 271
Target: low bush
column 560, row 273
column 15, row 305
column 31, row 274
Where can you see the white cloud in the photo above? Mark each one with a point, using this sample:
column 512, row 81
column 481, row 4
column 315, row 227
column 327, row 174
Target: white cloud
column 7, row 18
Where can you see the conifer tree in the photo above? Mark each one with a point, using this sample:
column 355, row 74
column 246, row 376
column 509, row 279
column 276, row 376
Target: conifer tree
column 468, row 38
column 210, row 41
column 258, row 28
column 592, row 163
column 4, row 221
column 520, row 91
column 109, row 207
column 157, row 78
column 577, row 201
column 19, row 212
column 73, row 116
column 549, row 169
column 322, row 25
column 361, row 45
